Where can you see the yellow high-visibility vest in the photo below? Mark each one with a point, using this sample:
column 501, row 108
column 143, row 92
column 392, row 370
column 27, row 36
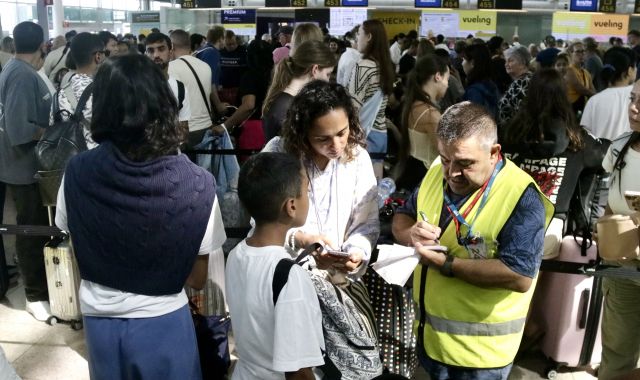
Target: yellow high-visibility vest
column 466, row 325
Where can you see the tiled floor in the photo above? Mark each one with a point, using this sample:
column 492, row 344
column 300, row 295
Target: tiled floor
column 42, row 352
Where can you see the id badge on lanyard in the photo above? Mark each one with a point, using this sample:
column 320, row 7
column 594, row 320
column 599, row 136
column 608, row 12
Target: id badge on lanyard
column 475, row 244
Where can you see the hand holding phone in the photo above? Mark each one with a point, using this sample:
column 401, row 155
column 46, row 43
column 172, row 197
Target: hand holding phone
column 337, row 253
column 633, row 199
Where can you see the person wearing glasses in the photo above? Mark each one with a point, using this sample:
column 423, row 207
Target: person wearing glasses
column 488, row 218
column 86, row 53
column 579, row 82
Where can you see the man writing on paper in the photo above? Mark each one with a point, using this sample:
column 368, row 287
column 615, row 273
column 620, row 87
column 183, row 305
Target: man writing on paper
column 473, row 299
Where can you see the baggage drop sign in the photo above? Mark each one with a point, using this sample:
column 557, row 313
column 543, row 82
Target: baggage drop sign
column 398, row 22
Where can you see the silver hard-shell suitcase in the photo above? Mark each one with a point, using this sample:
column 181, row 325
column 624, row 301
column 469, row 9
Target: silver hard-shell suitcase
column 63, row 281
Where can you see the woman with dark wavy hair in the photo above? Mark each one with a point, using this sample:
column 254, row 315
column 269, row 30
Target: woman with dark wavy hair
column 545, row 140
column 322, row 129
column 143, row 219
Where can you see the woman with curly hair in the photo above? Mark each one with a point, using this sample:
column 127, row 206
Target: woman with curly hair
column 144, row 219
column 323, row 130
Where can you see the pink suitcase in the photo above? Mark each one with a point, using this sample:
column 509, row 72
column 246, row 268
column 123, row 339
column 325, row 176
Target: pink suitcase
column 568, row 308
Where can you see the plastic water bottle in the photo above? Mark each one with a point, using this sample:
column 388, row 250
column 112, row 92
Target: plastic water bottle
column 386, row 187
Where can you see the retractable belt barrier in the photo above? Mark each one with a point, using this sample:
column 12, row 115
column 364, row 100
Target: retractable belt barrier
column 590, row 269
column 33, row 230
column 248, row 152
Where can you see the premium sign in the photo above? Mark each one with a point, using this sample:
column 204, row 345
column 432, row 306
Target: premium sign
column 241, row 21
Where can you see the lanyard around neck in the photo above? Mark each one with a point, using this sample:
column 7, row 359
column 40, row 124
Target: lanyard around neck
column 460, row 219
column 334, row 177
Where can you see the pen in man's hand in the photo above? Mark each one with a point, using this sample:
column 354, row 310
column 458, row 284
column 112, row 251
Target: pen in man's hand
column 425, row 219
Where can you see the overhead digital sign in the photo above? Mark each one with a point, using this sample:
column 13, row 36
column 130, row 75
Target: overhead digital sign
column 355, row 3
column 583, row 5
column 428, row 3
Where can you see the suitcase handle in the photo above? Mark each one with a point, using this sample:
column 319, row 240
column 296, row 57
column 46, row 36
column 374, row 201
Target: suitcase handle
column 584, row 301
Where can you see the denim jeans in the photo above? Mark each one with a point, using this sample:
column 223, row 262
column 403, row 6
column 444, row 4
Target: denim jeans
column 441, row 371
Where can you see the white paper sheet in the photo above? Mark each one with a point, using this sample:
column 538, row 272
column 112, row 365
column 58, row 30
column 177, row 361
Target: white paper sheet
column 396, row 263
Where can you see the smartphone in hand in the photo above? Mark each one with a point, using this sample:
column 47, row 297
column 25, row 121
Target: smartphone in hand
column 337, row 253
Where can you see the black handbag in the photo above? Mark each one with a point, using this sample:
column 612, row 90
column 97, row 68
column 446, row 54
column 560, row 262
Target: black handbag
column 60, row 142
column 212, row 334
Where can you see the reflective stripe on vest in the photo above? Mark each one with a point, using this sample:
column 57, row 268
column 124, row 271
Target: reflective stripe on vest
column 475, row 329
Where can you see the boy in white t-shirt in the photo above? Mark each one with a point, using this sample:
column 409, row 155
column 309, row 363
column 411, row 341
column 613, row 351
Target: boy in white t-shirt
column 283, row 340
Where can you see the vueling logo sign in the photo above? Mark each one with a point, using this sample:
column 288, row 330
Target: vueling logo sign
column 477, row 20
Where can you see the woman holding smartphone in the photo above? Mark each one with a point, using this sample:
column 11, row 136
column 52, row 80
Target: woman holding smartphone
column 323, row 130
column 621, row 308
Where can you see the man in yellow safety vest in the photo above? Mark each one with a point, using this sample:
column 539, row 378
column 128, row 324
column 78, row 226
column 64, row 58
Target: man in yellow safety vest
column 478, row 222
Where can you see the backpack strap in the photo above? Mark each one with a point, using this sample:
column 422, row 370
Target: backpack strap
column 281, row 273
column 67, row 88
column 180, row 94
column 280, row 277
column 88, row 91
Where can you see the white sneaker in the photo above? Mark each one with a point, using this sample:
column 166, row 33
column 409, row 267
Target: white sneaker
column 39, row 309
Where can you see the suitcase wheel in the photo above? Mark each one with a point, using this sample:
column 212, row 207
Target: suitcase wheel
column 76, row 325
column 52, row 321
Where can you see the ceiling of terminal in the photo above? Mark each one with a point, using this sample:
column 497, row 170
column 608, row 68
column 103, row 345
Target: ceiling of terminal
column 623, row 6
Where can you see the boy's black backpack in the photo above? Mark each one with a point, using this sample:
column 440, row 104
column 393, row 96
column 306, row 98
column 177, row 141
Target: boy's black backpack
column 351, row 351
column 60, row 142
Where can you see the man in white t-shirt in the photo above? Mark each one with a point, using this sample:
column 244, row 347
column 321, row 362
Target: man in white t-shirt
column 158, row 47
column 284, row 338
column 181, row 69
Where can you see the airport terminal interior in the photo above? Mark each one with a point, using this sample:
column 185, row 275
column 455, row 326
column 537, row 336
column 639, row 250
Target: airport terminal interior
column 540, row 33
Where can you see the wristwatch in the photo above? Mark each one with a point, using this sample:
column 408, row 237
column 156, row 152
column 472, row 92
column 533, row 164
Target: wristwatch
column 447, row 269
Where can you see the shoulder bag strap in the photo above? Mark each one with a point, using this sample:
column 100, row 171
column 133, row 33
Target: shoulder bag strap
column 64, row 52
column 83, row 101
column 204, row 96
